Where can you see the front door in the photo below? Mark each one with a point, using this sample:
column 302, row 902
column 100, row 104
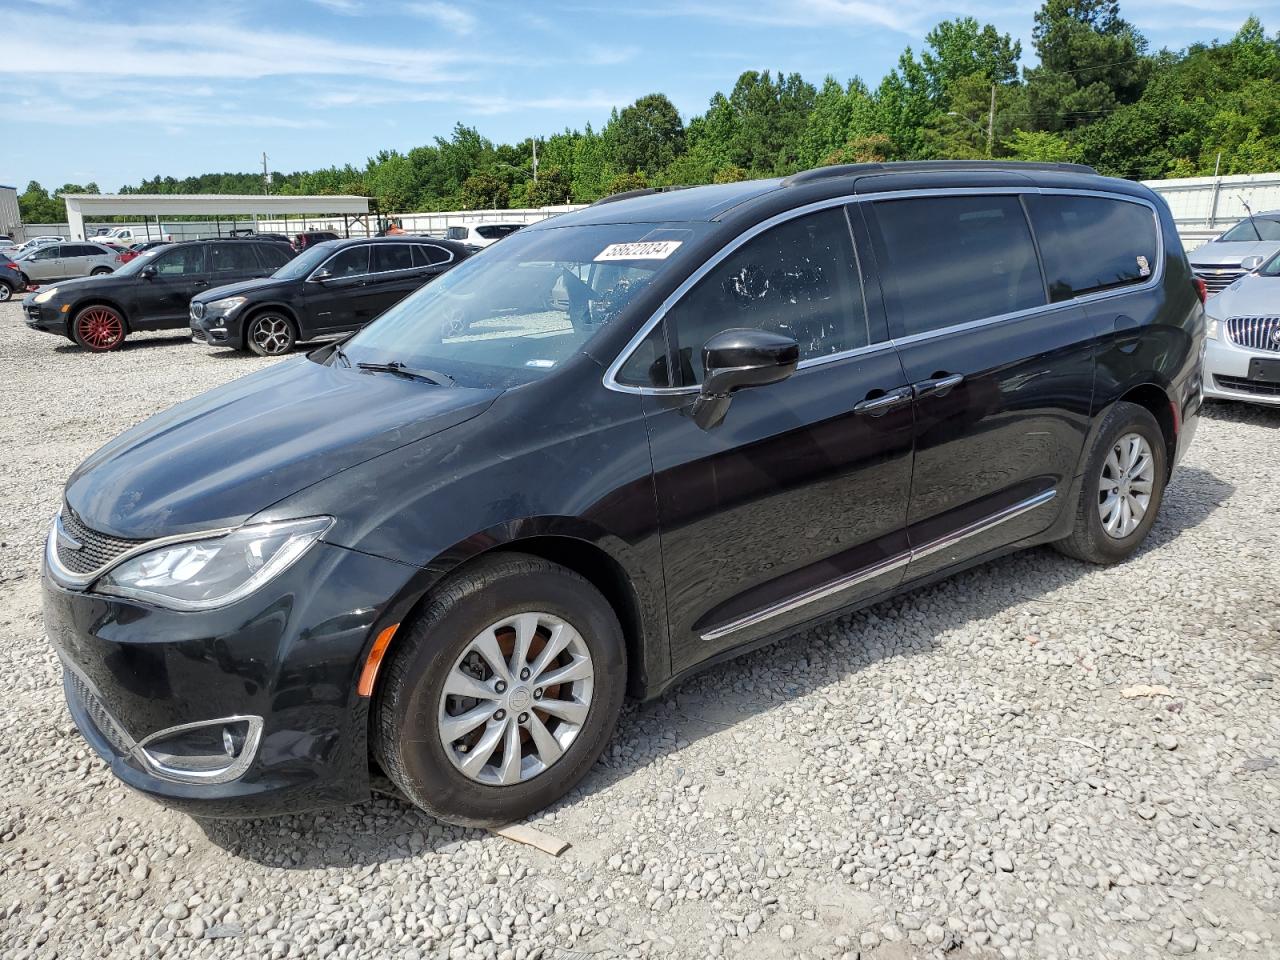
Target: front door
column 1003, row 380
column 796, row 504
column 44, row 265
column 335, row 296
column 164, row 297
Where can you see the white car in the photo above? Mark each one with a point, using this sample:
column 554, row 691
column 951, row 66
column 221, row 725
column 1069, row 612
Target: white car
column 480, row 234
column 34, row 243
column 1242, row 350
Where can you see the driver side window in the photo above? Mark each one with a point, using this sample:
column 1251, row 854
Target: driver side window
column 180, row 262
column 799, row 278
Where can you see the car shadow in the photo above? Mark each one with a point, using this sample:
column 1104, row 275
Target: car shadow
column 1235, row 411
column 388, row 828
column 130, row 343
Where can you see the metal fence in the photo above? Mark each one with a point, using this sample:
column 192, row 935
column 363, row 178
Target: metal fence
column 1205, row 206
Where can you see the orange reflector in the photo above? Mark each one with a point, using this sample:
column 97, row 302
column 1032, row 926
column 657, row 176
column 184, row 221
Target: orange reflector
column 370, row 671
column 65, row 308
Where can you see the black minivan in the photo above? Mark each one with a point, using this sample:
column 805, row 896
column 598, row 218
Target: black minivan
column 618, row 447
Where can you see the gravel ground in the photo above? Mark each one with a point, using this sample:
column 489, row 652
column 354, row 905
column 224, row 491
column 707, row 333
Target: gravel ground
column 964, row 771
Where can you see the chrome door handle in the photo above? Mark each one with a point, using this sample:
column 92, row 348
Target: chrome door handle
column 938, row 386
column 879, row 406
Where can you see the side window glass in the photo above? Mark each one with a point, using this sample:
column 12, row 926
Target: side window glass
column 352, row 262
column 232, row 258
column 647, row 366
column 949, row 260
column 272, row 255
column 1091, row 243
column 799, row 278
column 426, row 255
column 180, row 262
column 392, row 256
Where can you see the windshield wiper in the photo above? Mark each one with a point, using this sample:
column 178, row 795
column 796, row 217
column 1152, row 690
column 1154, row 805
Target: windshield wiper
column 338, row 352
column 396, row 367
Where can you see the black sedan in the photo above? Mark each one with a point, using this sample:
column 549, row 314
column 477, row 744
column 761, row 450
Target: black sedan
column 328, row 290
column 150, row 292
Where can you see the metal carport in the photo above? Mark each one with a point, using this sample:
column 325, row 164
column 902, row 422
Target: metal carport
column 80, row 205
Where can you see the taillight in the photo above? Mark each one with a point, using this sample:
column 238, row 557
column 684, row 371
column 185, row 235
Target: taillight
column 1201, row 290
column 11, row 265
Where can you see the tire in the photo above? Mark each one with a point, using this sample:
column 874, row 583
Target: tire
column 99, row 271
column 270, row 334
column 1090, row 539
column 99, row 328
column 437, row 649
column 6, row 292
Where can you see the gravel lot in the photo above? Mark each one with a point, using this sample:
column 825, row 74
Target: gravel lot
column 964, row 771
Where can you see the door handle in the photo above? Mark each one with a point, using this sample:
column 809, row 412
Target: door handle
column 879, row 406
column 938, row 386
column 200, row 283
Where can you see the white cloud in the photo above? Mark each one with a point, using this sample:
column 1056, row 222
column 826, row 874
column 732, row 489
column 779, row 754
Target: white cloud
column 480, row 104
column 447, row 15
column 346, row 7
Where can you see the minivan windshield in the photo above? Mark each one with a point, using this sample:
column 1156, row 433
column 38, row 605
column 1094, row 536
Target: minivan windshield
column 522, row 307
column 1255, row 228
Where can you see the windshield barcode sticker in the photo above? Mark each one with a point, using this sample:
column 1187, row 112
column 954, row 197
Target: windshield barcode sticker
column 643, row 250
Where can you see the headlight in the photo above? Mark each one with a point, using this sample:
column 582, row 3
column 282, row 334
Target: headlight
column 227, row 304
column 44, row 296
column 1211, row 327
column 200, row 574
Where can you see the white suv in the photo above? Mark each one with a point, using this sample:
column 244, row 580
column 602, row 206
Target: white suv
column 481, row 234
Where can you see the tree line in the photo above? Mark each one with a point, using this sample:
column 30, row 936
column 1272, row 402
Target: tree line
column 1098, row 95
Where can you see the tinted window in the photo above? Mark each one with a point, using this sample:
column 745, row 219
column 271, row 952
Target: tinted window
column 49, row 252
column 948, row 260
column 456, row 233
column 80, row 250
column 179, row 261
column 1090, row 243
column 424, row 255
column 496, row 230
column 392, row 256
column 798, row 279
column 1257, row 228
column 349, row 263
column 647, row 365
column 272, row 255
column 232, row 258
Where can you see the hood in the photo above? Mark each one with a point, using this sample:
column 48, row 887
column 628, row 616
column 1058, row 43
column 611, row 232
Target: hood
column 216, row 460
column 1215, row 254
column 238, row 289
column 1250, row 296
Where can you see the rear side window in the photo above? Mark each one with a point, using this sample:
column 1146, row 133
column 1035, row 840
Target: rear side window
column 392, row 256
column 232, row 258
column 1091, row 243
column 949, row 260
column 272, row 255
column 426, row 255
column 799, row 278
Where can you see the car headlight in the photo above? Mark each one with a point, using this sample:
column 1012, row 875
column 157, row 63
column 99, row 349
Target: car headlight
column 1211, row 327
column 215, row 571
column 44, row 296
column 227, row 304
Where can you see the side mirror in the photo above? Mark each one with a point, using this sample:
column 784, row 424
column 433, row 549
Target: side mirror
column 148, row 272
column 1250, row 264
column 321, row 275
column 736, row 359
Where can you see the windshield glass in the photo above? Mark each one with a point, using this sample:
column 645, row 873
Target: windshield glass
column 135, row 265
column 522, row 307
column 310, row 258
column 1244, row 231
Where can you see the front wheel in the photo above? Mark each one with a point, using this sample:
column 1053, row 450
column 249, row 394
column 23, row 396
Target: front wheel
column 270, row 335
column 501, row 695
column 1122, row 488
column 6, row 291
column 98, row 329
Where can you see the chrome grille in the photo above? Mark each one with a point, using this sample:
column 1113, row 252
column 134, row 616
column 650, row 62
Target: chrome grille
column 197, row 309
column 96, row 549
column 1216, row 281
column 96, row 712
column 1256, row 333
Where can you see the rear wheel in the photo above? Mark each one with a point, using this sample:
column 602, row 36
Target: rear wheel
column 270, row 334
column 501, row 695
column 99, row 271
column 1122, row 488
column 6, row 291
column 98, row 328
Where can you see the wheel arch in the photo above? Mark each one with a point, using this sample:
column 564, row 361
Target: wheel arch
column 1156, row 401
column 100, row 301
column 260, row 308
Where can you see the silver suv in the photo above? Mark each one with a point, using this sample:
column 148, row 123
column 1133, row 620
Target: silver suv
column 1217, row 263
column 62, row 261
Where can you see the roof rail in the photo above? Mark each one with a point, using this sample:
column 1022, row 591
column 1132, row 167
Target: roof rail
column 642, row 192
column 924, row 166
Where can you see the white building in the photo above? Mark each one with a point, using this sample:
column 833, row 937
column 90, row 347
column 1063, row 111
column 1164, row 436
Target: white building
column 10, row 219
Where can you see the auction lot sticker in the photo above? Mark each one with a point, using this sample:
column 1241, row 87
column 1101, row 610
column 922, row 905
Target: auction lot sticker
column 642, row 250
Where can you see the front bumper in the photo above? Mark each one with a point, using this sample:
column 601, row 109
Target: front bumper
column 1226, row 373
column 45, row 316
column 289, row 654
column 215, row 330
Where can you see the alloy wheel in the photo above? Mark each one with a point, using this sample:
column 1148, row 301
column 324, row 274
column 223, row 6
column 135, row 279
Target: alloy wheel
column 5, row 292
column 1125, row 485
column 100, row 328
column 516, row 699
column 271, row 334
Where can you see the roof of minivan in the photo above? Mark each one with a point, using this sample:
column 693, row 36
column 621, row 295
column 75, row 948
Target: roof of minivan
column 715, row 202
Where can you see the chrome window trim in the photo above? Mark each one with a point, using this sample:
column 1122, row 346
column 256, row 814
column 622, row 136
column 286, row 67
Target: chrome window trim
column 1157, row 276
column 337, row 253
column 434, row 246
column 833, row 587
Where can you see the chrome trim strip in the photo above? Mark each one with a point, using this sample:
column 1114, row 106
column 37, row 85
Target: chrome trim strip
column 882, row 567
column 230, row 772
column 67, row 578
column 1157, row 277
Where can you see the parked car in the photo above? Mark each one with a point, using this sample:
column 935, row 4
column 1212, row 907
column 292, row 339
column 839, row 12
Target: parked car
column 481, row 234
column 1217, row 262
column 129, row 253
column 11, row 279
column 29, row 245
column 328, row 290
column 311, row 237
column 128, row 236
column 62, row 261
column 150, row 292
column 753, row 406
column 1242, row 359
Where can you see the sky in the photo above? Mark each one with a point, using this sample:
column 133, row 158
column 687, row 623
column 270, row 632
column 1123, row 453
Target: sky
column 113, row 92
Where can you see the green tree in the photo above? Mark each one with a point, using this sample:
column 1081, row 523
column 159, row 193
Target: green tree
column 1039, row 145
column 626, row 181
column 646, row 136
column 962, row 48
column 483, row 190
column 552, row 187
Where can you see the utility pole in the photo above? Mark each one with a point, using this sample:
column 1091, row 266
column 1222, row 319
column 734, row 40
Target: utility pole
column 266, row 177
column 991, row 123
column 534, row 141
